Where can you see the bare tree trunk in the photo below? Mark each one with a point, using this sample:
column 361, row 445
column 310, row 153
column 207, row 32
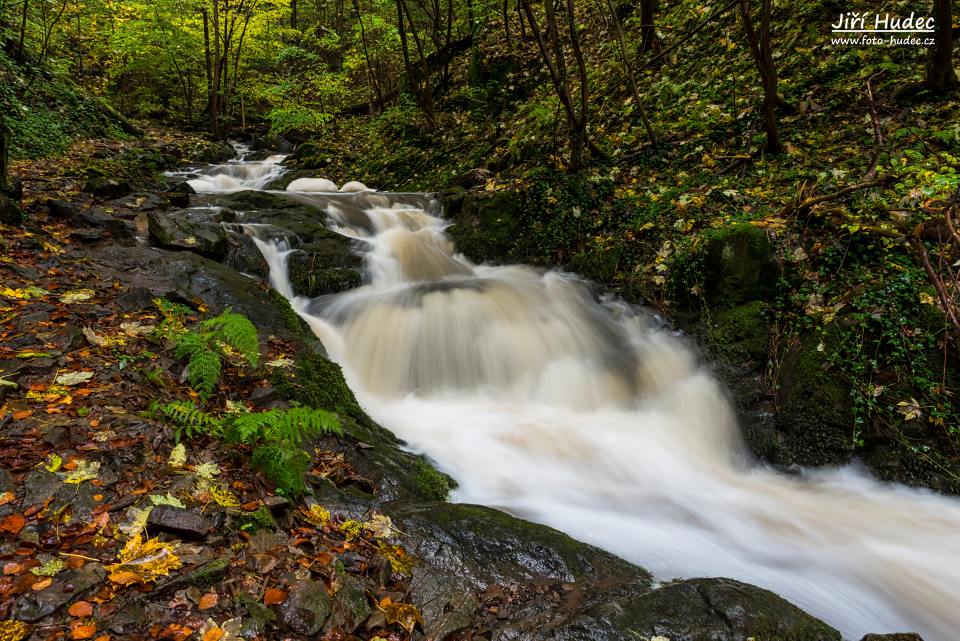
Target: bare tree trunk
column 760, row 48
column 294, row 18
column 211, row 89
column 648, row 30
column 21, row 52
column 4, row 154
column 940, row 75
column 629, row 71
column 404, row 48
column 366, row 55
column 505, row 12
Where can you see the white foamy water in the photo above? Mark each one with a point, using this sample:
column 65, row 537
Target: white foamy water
column 591, row 418
column 234, row 175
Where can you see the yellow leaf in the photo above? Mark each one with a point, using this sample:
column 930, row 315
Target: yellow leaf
column 178, row 457
column 143, row 561
column 13, row 630
column 403, row 613
column 223, row 496
column 76, row 296
column 85, row 471
column 317, row 515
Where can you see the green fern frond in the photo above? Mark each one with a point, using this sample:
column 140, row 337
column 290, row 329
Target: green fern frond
column 299, row 423
column 238, row 332
column 187, row 344
column 188, row 418
column 204, row 369
column 286, row 466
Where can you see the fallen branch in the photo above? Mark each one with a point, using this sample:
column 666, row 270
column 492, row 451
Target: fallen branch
column 877, row 135
column 806, row 204
column 946, row 304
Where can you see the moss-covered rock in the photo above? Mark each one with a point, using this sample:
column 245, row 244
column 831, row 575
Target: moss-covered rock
column 816, row 410
column 487, row 225
column 700, row 610
column 741, row 333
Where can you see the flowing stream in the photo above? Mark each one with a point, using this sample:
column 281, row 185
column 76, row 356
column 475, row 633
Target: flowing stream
column 590, row 417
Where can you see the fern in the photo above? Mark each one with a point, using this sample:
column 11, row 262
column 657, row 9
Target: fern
column 238, row 332
column 190, row 419
column 205, row 349
column 293, row 425
column 286, row 466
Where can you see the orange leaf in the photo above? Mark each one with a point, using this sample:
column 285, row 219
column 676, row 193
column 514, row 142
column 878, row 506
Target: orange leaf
column 208, row 600
column 83, row 632
column 12, row 568
column 213, row 634
column 22, row 414
column 7, row 497
column 81, row 609
column 42, row 584
column 105, row 637
column 12, row 523
column 274, row 596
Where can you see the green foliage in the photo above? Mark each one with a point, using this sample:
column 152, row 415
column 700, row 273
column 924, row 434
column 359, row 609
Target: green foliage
column 276, row 436
column 207, row 345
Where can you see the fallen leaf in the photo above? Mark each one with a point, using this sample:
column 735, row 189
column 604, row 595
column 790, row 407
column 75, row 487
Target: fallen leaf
column 208, row 600
column 7, row 497
column 12, row 568
column 42, row 584
column 403, row 613
column 13, row 630
column 274, row 596
column 84, row 471
column 22, row 414
column 169, row 499
column 213, row 634
column 76, row 296
column 85, row 631
column 143, row 561
column 12, row 523
column 136, row 329
column 53, row 567
column 73, row 378
column 178, row 457
column 81, row 609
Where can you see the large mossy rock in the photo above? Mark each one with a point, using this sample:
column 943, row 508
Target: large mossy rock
column 816, row 411
column 699, row 610
column 740, row 334
column 739, row 265
column 487, row 226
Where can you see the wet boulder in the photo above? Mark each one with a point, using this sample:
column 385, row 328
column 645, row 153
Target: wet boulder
column 306, row 608
column 488, row 225
column 179, row 521
column 183, row 231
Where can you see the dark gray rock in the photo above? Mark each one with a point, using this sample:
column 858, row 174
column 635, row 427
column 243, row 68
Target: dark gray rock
column 122, row 231
column 896, row 636
column 350, row 605
column 306, row 608
column 179, row 521
column 107, row 188
column 243, row 255
column 698, row 610
column 185, row 232
column 66, row 587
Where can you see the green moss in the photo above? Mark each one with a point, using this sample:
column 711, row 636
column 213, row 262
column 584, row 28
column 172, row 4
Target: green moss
column 318, row 382
column 259, row 519
column 740, row 334
column 318, row 282
column 431, row 483
column 816, row 410
column 209, row 574
column 739, row 266
column 290, row 319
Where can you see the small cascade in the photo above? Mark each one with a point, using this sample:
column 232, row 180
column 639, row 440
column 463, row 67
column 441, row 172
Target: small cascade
column 238, row 174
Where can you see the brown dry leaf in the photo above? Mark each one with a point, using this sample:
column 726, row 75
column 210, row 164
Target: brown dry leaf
column 42, row 584
column 22, row 414
column 83, row 632
column 208, row 600
column 403, row 613
column 81, row 609
column 143, row 561
column 274, row 596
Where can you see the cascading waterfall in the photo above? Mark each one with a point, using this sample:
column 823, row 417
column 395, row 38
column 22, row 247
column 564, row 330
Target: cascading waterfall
column 235, row 175
column 590, row 417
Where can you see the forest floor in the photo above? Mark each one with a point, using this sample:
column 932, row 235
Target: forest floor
column 86, row 467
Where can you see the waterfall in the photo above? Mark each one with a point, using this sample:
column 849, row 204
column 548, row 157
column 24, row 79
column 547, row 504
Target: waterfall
column 588, row 416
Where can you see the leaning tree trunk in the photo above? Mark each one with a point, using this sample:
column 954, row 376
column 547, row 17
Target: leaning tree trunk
column 648, row 30
column 940, row 75
column 4, row 153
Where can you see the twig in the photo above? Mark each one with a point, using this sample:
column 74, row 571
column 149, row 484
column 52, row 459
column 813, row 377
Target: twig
column 816, row 200
column 937, row 283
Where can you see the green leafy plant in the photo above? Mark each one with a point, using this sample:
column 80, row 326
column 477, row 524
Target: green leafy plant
column 214, row 339
column 276, row 436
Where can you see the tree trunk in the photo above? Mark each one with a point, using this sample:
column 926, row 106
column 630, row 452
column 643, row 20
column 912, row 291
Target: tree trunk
column 21, row 52
column 648, row 30
column 366, row 56
column 621, row 41
column 294, row 18
column 404, row 48
column 760, row 48
column 940, row 75
column 4, row 153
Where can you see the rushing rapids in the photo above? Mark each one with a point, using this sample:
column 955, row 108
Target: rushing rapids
column 590, row 417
